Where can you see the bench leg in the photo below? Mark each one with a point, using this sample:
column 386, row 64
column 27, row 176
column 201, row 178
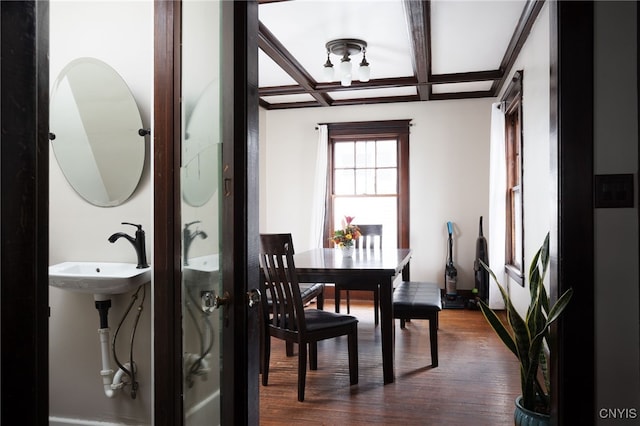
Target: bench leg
column 433, row 337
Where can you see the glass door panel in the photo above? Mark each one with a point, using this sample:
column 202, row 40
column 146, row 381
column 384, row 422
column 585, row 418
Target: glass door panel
column 201, row 211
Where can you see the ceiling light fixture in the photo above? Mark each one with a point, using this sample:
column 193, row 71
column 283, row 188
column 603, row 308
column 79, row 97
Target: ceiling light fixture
column 345, row 47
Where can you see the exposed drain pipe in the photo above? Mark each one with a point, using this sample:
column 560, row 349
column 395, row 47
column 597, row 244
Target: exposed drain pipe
column 110, row 386
column 106, row 371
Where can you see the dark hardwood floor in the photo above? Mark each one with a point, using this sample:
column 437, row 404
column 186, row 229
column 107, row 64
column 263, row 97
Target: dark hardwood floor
column 476, row 382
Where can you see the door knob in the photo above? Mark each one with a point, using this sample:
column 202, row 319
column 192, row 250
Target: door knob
column 253, row 296
column 207, row 301
column 210, row 301
column 221, row 301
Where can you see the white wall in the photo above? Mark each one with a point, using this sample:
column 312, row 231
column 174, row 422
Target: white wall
column 616, row 230
column 449, row 176
column 120, row 34
column 536, row 181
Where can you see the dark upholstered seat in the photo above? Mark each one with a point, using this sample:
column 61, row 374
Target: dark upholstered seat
column 308, row 292
column 419, row 300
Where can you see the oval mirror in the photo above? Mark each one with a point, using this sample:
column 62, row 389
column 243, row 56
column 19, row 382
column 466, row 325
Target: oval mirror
column 95, row 124
column 200, row 149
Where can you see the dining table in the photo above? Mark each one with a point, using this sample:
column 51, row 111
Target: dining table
column 369, row 269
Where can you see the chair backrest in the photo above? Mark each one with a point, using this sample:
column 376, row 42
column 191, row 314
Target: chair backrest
column 368, row 238
column 279, row 283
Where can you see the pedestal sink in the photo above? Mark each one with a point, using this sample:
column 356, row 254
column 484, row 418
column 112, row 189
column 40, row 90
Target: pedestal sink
column 98, row 278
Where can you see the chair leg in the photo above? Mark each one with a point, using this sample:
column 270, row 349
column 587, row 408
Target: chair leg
column 266, row 354
column 302, row 370
column 313, row 355
column 376, row 304
column 261, row 345
column 337, row 298
column 320, row 301
column 433, row 337
column 289, row 348
column 353, row 356
column 402, row 322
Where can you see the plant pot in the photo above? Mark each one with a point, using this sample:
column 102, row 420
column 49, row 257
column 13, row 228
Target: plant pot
column 347, row 252
column 524, row 417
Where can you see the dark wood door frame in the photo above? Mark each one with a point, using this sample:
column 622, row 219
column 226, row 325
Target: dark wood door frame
column 24, row 233
column 167, row 319
column 240, row 163
column 572, row 242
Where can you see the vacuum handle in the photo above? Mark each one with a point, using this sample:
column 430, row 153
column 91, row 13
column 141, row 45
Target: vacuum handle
column 450, row 260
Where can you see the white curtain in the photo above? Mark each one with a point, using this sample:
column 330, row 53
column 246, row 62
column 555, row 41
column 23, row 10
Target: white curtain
column 319, row 188
column 497, row 204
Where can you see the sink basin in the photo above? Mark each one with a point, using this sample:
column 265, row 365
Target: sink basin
column 202, row 269
column 208, row 263
column 98, row 278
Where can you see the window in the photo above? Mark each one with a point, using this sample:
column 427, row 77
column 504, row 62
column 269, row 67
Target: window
column 514, row 205
column 369, row 177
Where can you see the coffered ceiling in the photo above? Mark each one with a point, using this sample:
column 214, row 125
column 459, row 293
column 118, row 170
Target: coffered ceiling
column 417, row 50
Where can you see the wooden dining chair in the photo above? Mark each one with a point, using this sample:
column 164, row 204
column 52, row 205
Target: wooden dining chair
column 308, row 293
column 286, row 318
column 371, row 239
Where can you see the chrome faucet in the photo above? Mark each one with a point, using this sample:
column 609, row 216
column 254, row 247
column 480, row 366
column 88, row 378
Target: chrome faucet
column 137, row 242
column 188, row 237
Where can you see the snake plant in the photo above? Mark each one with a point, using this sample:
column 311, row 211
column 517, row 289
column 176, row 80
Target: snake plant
column 528, row 337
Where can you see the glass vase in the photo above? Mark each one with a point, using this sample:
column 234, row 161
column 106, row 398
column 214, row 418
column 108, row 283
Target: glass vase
column 347, row 251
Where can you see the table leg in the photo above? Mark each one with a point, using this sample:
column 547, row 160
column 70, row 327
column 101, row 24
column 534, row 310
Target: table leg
column 387, row 329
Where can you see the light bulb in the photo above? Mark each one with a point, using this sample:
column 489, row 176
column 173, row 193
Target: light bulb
column 329, row 73
column 345, row 71
column 364, row 73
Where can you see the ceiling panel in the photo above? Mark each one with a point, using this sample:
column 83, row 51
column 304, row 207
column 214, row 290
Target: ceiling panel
column 270, row 73
column 374, row 93
column 471, row 35
column 479, row 86
column 281, row 99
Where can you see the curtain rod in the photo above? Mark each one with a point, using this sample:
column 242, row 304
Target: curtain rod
column 321, row 124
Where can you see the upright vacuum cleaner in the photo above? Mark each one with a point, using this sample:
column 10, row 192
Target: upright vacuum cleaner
column 481, row 289
column 450, row 271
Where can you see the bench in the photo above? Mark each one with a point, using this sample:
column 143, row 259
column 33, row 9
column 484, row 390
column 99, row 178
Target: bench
column 419, row 300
